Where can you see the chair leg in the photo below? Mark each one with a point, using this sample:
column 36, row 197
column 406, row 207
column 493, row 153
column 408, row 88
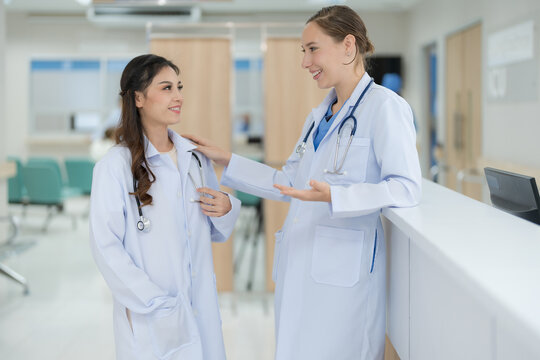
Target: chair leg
column 50, row 214
column 14, row 228
column 254, row 254
column 245, row 240
column 10, row 273
column 241, row 252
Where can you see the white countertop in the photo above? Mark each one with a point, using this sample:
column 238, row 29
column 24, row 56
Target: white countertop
column 495, row 254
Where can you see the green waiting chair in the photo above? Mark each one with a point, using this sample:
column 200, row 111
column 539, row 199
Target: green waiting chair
column 44, row 187
column 251, row 232
column 67, row 191
column 79, row 173
column 16, row 189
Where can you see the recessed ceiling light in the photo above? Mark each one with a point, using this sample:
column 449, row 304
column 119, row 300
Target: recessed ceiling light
column 84, row 2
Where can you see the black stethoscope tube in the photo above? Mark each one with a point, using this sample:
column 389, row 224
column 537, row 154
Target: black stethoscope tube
column 143, row 224
column 302, row 147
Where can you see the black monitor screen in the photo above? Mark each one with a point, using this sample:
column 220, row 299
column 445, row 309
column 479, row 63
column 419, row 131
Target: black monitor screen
column 514, row 193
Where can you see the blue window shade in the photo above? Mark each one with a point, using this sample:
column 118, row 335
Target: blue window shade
column 116, row 65
column 85, row 65
column 242, row 65
column 47, row 65
column 258, row 64
column 64, row 65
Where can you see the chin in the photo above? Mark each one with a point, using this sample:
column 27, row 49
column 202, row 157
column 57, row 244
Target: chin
column 322, row 85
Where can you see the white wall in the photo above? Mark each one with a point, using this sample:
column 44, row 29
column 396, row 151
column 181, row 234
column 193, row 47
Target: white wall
column 27, row 38
column 510, row 128
column 3, row 136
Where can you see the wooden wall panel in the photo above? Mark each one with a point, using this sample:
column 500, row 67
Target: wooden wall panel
column 472, row 82
column 205, row 70
column 463, row 145
column 290, row 94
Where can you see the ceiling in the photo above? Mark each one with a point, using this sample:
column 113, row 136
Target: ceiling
column 222, row 7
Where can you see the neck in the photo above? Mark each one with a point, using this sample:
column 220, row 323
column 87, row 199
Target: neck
column 345, row 88
column 159, row 137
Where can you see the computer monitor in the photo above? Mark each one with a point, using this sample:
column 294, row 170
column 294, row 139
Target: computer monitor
column 514, row 193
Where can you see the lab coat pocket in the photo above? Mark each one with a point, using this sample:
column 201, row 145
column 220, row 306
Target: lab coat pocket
column 171, row 329
column 354, row 162
column 279, row 237
column 337, row 256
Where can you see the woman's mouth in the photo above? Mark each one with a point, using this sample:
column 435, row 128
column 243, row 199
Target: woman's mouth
column 175, row 109
column 317, row 74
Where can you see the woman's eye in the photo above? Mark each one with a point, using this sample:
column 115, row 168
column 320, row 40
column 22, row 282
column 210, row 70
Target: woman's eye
column 168, row 87
column 180, row 87
column 312, row 49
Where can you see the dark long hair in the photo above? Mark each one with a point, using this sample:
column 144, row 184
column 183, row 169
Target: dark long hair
column 338, row 21
column 137, row 76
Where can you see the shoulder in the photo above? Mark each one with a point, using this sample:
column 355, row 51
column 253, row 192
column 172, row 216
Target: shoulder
column 116, row 162
column 387, row 98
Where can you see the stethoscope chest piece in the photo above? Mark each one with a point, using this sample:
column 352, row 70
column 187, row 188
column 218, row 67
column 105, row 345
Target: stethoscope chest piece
column 143, row 224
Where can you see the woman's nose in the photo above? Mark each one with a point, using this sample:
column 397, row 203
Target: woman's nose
column 306, row 61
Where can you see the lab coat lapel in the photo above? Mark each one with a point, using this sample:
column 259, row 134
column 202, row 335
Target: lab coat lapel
column 318, row 113
column 349, row 104
column 183, row 149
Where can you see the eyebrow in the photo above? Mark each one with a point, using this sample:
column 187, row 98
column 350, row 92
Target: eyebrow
column 168, row 82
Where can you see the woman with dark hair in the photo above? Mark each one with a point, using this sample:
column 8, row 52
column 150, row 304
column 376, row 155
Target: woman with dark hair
column 152, row 220
column 356, row 155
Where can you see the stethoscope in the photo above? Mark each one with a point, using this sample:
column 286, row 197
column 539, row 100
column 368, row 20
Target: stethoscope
column 301, row 149
column 143, row 224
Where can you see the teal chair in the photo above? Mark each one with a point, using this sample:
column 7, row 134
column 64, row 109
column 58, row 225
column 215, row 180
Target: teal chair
column 79, row 173
column 44, row 187
column 67, row 191
column 250, row 233
column 16, row 189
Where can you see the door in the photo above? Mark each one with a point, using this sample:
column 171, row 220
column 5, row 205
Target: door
column 205, row 70
column 463, row 141
column 290, row 94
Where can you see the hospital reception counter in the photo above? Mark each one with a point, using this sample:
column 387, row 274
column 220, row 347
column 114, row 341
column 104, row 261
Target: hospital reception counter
column 463, row 280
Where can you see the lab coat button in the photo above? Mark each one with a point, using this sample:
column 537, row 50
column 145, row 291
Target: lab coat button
column 195, row 313
column 179, row 194
column 295, row 220
column 194, row 275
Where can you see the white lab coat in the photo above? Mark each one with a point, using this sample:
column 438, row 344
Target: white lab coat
column 329, row 259
column 164, row 277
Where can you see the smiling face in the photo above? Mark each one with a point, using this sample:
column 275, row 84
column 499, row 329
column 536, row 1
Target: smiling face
column 160, row 103
column 323, row 57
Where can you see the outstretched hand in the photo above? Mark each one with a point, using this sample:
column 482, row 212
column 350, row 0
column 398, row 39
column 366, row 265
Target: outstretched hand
column 210, row 150
column 320, row 191
column 217, row 206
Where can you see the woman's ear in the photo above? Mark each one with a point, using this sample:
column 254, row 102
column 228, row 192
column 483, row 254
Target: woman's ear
column 350, row 45
column 139, row 99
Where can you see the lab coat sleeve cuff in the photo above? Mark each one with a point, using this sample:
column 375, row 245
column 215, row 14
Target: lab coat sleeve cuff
column 357, row 199
column 254, row 178
column 223, row 226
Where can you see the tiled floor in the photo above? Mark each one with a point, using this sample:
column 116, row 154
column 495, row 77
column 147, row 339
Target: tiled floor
column 67, row 314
